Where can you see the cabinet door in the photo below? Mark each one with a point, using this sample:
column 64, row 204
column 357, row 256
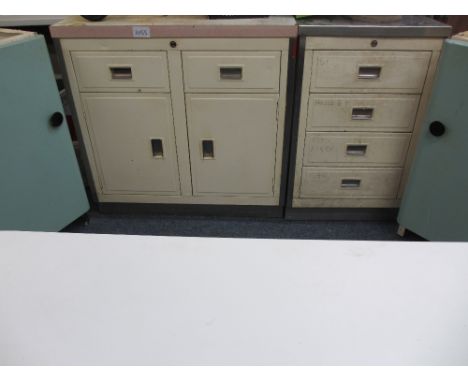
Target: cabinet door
column 40, row 182
column 435, row 200
column 133, row 142
column 232, row 142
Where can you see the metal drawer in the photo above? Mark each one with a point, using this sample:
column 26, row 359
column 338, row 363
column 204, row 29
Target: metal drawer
column 351, row 149
column 208, row 71
column 120, row 71
column 362, row 112
column 329, row 182
column 369, row 71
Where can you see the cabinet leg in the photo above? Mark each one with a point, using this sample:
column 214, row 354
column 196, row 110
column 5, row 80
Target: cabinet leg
column 401, row 230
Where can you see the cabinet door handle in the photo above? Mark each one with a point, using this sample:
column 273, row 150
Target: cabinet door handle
column 230, row 73
column 369, row 72
column 437, row 128
column 207, row 149
column 56, row 119
column 350, row 183
column 157, row 148
column 362, row 113
column 356, row 150
column 121, row 72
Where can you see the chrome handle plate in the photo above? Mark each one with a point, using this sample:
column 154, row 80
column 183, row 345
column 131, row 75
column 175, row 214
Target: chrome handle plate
column 350, row 183
column 230, row 73
column 207, row 149
column 121, row 72
column 369, row 72
column 157, row 148
column 362, row 113
column 356, row 150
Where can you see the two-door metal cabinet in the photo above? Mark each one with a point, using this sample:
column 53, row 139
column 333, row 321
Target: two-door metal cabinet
column 181, row 110
column 360, row 96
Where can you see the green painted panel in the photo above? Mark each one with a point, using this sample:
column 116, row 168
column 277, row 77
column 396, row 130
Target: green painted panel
column 435, row 203
column 41, row 188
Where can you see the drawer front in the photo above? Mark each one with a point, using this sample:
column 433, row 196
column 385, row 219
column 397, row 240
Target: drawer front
column 383, row 71
column 348, row 149
column 121, row 70
column 231, row 70
column 363, row 112
column 322, row 182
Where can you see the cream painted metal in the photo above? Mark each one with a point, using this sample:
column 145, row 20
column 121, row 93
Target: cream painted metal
column 74, row 299
column 135, row 71
column 374, row 91
column 356, row 182
column 243, row 130
column 362, row 112
column 351, row 71
column 230, row 91
column 123, row 128
column 350, row 149
column 254, row 71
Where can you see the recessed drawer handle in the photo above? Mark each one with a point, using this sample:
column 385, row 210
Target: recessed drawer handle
column 362, row 113
column 207, row 149
column 369, row 72
column 356, row 150
column 121, row 72
column 230, row 73
column 350, row 183
column 157, row 147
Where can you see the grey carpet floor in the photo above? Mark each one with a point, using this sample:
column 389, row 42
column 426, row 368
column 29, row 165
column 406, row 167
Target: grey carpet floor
column 167, row 225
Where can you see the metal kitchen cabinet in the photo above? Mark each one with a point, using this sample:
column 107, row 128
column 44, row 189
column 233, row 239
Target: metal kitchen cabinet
column 361, row 94
column 434, row 204
column 41, row 187
column 194, row 113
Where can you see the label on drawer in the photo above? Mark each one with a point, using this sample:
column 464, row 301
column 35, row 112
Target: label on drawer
column 141, row 32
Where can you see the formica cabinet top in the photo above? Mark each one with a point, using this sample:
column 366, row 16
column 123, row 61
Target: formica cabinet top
column 174, row 26
column 406, row 26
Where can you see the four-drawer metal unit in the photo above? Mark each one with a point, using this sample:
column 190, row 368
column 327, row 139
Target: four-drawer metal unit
column 195, row 112
column 361, row 91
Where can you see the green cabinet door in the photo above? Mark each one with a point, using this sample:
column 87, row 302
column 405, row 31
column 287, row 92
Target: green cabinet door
column 435, row 202
column 41, row 188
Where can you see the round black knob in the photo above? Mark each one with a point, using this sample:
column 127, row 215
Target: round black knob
column 437, row 128
column 173, row 44
column 373, row 43
column 56, row 119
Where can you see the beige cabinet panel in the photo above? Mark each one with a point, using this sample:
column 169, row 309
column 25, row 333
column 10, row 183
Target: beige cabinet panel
column 121, row 70
column 232, row 142
column 383, row 71
column 348, row 149
column 362, row 112
column 133, row 142
column 231, row 70
column 320, row 182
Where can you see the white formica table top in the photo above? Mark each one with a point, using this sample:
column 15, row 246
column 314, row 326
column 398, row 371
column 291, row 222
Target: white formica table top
column 78, row 299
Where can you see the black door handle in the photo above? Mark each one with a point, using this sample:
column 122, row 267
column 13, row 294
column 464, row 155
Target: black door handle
column 56, row 119
column 437, row 128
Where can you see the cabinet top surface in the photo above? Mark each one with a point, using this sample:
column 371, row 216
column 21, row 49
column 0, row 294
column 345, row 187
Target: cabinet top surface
column 404, row 26
column 175, row 26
